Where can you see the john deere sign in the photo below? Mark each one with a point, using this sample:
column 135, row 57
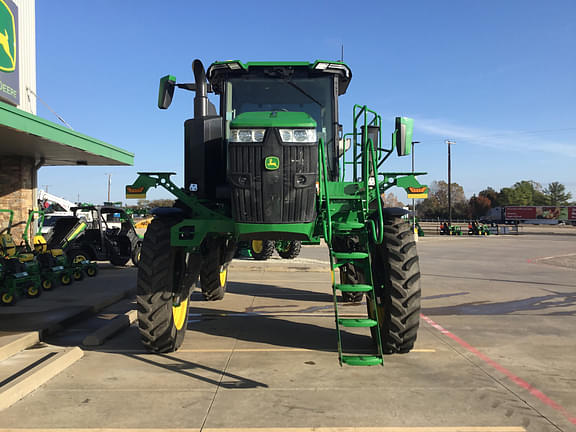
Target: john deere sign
column 9, row 81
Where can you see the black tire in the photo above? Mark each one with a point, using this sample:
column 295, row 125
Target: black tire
column 33, row 291
column 162, row 326
column 77, row 255
column 92, row 270
column 8, row 299
column 290, row 250
column 119, row 260
column 214, row 273
column 48, row 285
column 350, row 275
column 136, row 252
column 78, row 274
column 396, row 276
column 261, row 250
column 66, row 279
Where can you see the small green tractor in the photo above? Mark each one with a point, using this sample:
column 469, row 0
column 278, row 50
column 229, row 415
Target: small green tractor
column 19, row 271
column 273, row 162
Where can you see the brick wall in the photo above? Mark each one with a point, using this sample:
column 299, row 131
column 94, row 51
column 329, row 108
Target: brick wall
column 17, row 191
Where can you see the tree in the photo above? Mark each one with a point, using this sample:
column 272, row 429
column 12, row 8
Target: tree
column 557, row 195
column 523, row 193
column 491, row 195
column 479, row 206
column 390, row 200
column 436, row 205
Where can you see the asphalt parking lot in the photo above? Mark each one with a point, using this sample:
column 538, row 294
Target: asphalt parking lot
column 496, row 352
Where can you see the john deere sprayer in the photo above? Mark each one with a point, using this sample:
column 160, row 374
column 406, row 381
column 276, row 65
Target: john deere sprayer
column 272, row 162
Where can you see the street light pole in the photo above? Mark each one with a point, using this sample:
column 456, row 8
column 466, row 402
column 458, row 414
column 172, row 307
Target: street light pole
column 109, row 185
column 449, row 184
column 413, row 200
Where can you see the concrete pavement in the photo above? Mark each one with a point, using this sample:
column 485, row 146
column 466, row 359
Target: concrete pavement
column 495, row 353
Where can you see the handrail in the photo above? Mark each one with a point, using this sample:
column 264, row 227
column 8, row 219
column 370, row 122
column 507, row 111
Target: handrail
column 377, row 235
column 325, row 195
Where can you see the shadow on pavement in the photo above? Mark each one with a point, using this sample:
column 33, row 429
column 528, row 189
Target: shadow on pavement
column 531, row 304
column 187, row 368
column 272, row 291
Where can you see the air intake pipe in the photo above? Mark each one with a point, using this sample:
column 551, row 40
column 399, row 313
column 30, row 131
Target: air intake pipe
column 201, row 98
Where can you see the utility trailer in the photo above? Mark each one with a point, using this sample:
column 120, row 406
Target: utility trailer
column 272, row 162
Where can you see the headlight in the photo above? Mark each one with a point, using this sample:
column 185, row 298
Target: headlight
column 298, row 135
column 247, row 135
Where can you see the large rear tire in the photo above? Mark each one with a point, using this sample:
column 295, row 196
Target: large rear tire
column 396, row 277
column 161, row 321
column 261, row 250
column 214, row 272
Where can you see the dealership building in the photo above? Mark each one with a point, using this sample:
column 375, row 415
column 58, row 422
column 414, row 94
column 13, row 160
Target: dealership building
column 28, row 142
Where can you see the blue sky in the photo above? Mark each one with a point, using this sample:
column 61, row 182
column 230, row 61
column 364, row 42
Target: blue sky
column 497, row 77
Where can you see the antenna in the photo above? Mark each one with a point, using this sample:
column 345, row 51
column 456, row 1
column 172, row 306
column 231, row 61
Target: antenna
column 342, row 53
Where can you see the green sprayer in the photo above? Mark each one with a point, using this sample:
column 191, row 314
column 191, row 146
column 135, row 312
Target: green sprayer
column 272, row 162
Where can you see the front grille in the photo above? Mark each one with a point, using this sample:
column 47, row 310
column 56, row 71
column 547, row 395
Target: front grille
column 285, row 195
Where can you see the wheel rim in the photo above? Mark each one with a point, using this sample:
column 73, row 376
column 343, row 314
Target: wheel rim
column 7, row 298
column 46, row 284
column 257, row 246
column 65, row 279
column 90, row 271
column 179, row 314
column 32, row 291
column 223, row 274
column 77, row 275
column 79, row 259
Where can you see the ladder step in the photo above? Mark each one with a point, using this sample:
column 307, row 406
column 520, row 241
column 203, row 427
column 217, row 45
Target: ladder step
column 361, row 360
column 347, row 226
column 350, row 255
column 357, row 322
column 353, row 287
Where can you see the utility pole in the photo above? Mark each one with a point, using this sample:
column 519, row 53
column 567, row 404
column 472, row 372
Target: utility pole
column 449, row 184
column 109, row 184
column 46, row 188
column 413, row 200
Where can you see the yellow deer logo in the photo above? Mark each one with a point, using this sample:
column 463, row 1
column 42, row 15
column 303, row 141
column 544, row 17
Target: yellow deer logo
column 5, row 46
column 7, row 38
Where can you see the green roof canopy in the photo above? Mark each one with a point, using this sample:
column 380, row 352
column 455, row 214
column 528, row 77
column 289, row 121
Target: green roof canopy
column 24, row 134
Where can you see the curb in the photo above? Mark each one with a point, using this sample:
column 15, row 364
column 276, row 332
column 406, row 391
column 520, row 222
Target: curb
column 105, row 332
column 87, row 312
column 19, row 343
column 34, row 378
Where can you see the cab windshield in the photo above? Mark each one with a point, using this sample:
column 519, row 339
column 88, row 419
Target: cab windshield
column 278, row 92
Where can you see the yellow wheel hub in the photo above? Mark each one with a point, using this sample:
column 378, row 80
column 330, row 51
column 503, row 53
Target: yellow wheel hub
column 46, row 284
column 257, row 246
column 179, row 314
column 223, row 275
column 32, row 291
column 7, row 298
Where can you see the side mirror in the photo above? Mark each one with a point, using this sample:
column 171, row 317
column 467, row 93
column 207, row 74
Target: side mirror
column 402, row 136
column 166, row 91
column 343, row 146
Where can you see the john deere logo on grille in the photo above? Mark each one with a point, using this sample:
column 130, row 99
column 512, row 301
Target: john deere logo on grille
column 271, row 162
column 7, row 38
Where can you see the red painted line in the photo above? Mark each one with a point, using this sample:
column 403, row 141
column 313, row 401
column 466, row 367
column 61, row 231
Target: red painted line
column 515, row 379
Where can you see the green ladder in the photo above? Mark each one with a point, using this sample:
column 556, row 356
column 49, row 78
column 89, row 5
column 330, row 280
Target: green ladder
column 343, row 216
